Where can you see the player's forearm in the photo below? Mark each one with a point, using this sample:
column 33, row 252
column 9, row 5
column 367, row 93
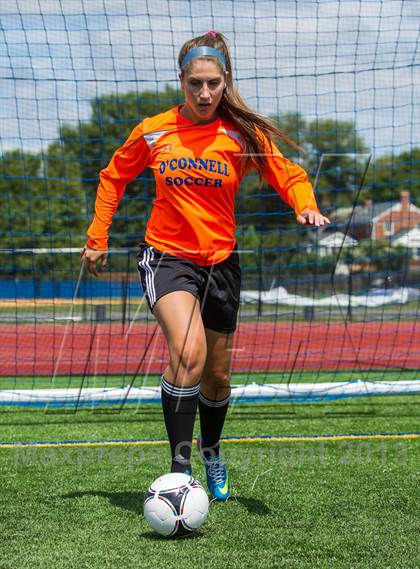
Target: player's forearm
column 107, row 199
column 289, row 180
column 125, row 165
column 292, row 184
column 300, row 196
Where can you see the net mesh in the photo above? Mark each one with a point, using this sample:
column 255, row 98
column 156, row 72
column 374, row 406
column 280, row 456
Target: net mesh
column 339, row 78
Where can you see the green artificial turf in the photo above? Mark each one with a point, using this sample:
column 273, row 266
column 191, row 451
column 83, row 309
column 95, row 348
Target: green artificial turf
column 242, row 378
column 295, row 504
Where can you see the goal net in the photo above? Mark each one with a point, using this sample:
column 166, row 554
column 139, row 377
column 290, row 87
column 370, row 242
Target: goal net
column 325, row 313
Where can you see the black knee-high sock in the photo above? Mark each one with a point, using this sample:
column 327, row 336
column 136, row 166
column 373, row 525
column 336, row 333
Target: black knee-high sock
column 179, row 410
column 212, row 419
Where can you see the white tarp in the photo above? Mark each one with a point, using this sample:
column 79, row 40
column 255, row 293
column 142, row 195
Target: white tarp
column 251, row 392
column 371, row 299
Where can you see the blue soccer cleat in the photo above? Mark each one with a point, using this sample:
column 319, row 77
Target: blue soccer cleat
column 217, row 476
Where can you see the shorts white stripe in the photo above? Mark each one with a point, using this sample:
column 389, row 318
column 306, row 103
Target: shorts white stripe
column 148, row 256
column 150, row 277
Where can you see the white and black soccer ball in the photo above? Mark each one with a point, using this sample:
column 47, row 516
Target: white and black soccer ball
column 175, row 505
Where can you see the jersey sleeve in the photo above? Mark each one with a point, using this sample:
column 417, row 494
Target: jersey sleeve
column 126, row 164
column 289, row 180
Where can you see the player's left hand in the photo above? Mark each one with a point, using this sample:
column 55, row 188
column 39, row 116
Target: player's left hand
column 312, row 217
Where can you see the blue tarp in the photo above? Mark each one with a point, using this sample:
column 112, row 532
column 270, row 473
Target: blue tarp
column 10, row 289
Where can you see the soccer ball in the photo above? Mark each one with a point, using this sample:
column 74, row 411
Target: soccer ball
column 175, row 505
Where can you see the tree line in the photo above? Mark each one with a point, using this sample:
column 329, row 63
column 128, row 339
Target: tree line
column 47, row 198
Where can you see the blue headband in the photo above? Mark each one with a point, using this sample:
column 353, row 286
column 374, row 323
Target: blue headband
column 203, row 51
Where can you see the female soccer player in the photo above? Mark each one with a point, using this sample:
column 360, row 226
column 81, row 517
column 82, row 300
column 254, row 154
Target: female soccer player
column 188, row 263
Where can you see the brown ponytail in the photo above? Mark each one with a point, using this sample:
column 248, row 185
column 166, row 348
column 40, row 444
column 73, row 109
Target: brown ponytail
column 234, row 109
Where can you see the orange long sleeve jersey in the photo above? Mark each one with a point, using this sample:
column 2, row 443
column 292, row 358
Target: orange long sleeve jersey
column 197, row 174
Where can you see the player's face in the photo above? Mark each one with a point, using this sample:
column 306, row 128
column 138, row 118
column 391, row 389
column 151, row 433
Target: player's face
column 203, row 86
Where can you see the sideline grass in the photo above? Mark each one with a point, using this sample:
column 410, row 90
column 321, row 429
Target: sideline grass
column 303, row 505
column 77, row 381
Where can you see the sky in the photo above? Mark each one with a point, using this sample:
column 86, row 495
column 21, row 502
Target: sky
column 355, row 60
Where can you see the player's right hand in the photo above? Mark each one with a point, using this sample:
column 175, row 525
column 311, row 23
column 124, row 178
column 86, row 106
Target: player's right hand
column 90, row 259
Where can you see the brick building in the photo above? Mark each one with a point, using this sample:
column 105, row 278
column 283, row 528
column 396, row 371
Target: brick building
column 379, row 220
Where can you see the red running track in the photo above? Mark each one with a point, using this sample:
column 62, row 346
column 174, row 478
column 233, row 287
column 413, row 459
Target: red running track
column 75, row 348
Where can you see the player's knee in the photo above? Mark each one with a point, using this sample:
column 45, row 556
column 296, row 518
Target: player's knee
column 218, row 379
column 189, row 361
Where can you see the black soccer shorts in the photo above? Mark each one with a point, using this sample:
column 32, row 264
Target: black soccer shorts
column 217, row 286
